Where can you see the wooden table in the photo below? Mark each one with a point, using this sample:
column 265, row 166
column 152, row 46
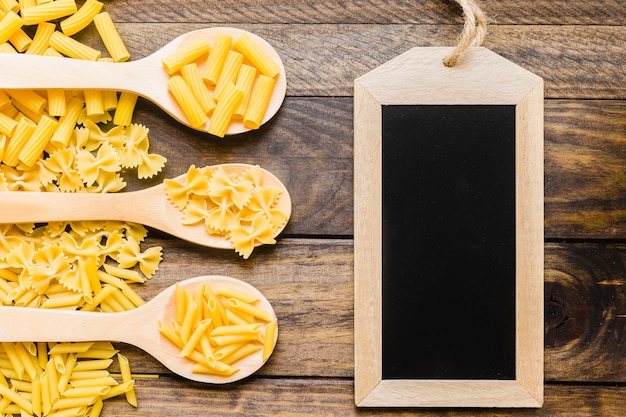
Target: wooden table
column 578, row 47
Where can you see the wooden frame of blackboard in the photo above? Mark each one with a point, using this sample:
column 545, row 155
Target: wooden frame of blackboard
column 418, row 77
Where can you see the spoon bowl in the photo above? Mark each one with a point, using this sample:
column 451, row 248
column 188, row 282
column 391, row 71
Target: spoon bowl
column 149, row 207
column 137, row 327
column 145, row 77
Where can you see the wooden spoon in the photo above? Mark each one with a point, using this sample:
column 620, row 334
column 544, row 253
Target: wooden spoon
column 145, row 77
column 137, row 327
column 149, row 207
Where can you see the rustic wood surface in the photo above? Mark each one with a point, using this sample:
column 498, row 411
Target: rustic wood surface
column 578, row 47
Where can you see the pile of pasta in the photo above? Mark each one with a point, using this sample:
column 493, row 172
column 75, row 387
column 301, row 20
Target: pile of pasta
column 238, row 207
column 61, row 379
column 67, row 141
column 216, row 328
column 236, row 82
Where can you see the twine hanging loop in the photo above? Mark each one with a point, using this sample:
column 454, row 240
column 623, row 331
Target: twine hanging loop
column 474, row 30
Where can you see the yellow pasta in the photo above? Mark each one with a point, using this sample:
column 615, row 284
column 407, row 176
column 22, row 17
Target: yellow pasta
column 255, row 54
column 38, row 141
column 217, row 56
column 41, row 40
column 62, row 135
column 245, row 81
column 20, row 138
column 186, row 100
column 111, row 37
column 125, row 109
column 9, row 25
column 73, row 48
column 83, row 17
column 127, row 379
column 94, row 102
column 109, row 100
column 32, row 101
column 6, row 48
column 259, row 100
column 20, row 40
column 232, row 292
column 186, row 54
column 57, row 104
column 232, row 342
column 201, row 93
column 230, row 69
column 33, row 15
column 268, row 341
column 224, row 110
column 247, row 308
column 7, row 125
column 9, row 6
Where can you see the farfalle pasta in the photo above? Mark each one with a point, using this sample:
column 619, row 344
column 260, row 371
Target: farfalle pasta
column 238, row 207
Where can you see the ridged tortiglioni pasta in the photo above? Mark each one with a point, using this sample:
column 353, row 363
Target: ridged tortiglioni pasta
column 212, row 334
column 68, row 141
column 237, row 207
column 229, row 73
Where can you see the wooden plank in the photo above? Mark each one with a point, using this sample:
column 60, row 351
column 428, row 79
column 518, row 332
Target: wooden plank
column 278, row 397
column 575, row 61
column 585, row 318
column 585, row 181
column 606, row 12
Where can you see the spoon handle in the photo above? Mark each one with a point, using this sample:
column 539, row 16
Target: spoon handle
column 34, row 207
column 22, row 71
column 21, row 324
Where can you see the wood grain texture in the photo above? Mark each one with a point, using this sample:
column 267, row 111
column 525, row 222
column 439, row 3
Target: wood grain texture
column 607, row 12
column 324, row 59
column 278, row 397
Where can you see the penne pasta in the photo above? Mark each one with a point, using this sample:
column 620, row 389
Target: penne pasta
column 127, row 379
column 268, row 341
column 83, row 17
column 259, row 100
column 251, row 309
column 111, row 37
column 186, row 54
column 195, row 337
column 7, row 48
column 224, row 110
column 73, row 347
column 257, row 56
column 232, row 292
column 217, row 56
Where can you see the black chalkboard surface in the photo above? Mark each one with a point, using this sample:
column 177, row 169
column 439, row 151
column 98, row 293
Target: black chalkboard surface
column 448, row 232
column 448, row 252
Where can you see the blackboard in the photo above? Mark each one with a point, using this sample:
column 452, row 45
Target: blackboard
column 448, row 242
column 448, row 233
